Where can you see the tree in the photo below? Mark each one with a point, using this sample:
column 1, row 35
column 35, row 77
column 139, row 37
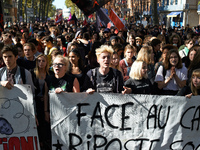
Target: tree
column 73, row 6
column 52, row 10
column 42, row 8
column 154, row 12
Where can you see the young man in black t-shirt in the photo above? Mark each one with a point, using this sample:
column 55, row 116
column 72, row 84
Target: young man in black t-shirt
column 104, row 79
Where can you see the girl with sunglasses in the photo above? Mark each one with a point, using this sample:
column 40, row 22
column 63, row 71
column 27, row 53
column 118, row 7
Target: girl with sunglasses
column 61, row 81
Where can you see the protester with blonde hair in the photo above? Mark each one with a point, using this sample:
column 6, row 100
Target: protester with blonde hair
column 104, row 79
column 61, row 81
column 41, row 72
column 138, row 83
column 146, row 54
column 194, row 86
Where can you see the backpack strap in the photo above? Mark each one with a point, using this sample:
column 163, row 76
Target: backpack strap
column 125, row 62
column 94, row 76
column 22, row 72
column 2, row 71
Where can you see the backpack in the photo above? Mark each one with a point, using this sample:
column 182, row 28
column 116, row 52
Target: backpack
column 94, row 78
column 128, row 68
column 22, row 72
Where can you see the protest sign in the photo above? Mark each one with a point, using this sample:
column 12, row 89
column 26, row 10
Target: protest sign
column 124, row 122
column 18, row 130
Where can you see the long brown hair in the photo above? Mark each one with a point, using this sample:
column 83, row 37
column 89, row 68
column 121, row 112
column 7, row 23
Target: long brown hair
column 194, row 89
column 145, row 54
column 196, row 61
column 167, row 64
column 175, row 36
column 36, row 70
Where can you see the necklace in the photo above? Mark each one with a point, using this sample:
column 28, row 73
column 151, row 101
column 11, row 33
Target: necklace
column 42, row 76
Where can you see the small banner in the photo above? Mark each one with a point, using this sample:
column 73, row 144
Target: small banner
column 102, row 18
column 116, row 20
column 124, row 122
column 89, row 6
column 18, row 130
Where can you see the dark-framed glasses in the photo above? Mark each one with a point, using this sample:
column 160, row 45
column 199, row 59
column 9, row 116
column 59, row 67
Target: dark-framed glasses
column 59, row 65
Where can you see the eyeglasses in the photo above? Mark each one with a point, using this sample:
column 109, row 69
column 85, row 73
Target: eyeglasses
column 59, row 65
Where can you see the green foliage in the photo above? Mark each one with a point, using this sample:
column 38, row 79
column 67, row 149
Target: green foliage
column 52, row 10
column 74, row 8
column 69, row 3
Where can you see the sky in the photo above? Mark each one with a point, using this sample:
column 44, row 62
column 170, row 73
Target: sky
column 59, row 3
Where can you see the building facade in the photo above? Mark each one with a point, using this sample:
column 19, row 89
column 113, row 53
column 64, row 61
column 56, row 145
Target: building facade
column 10, row 10
column 171, row 12
column 179, row 12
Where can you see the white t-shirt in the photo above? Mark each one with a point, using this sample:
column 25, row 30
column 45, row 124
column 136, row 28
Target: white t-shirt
column 172, row 85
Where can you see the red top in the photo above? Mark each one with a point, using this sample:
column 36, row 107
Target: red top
column 124, row 68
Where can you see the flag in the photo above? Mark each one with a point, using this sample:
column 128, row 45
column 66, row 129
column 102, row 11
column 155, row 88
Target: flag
column 30, row 30
column 110, row 24
column 89, row 6
column 102, row 18
column 56, row 18
column 73, row 20
column 85, row 22
column 59, row 18
column 70, row 17
column 116, row 20
column 90, row 16
column 1, row 17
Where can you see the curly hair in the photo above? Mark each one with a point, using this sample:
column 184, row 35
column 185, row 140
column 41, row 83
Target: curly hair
column 167, row 64
column 175, row 36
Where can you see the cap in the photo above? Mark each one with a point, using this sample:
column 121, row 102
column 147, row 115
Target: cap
column 106, row 30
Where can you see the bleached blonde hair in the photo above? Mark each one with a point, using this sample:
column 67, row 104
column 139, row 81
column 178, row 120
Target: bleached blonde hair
column 104, row 48
column 65, row 61
column 136, row 68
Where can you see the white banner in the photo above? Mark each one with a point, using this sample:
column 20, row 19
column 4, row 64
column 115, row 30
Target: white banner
column 124, row 122
column 18, row 130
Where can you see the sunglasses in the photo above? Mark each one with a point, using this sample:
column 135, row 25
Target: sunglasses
column 59, row 65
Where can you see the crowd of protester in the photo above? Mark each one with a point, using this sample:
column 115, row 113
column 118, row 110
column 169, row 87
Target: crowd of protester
column 81, row 58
